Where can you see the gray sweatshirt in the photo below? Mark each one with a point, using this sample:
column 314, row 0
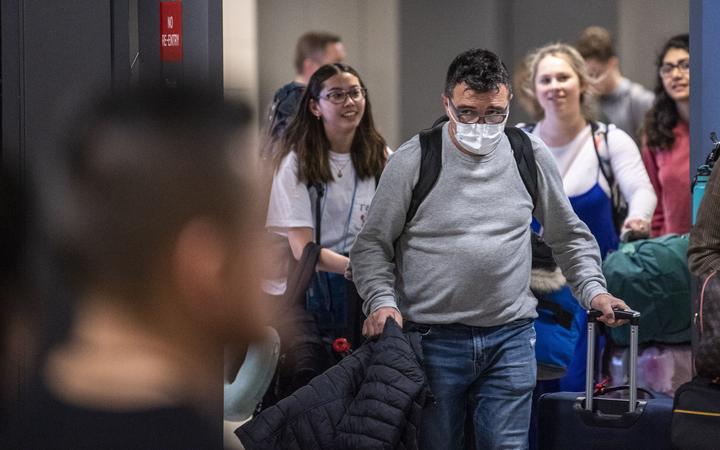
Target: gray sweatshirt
column 465, row 257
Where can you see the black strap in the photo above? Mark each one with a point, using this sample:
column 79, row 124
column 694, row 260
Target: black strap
column 431, row 163
column 619, row 204
column 623, row 387
column 300, row 274
column 525, row 159
column 609, row 177
column 320, row 192
column 562, row 316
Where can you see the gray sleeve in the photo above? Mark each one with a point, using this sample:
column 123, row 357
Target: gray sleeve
column 573, row 246
column 373, row 253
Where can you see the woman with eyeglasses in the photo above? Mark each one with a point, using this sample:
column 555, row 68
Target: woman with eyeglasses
column 666, row 139
column 330, row 149
column 587, row 154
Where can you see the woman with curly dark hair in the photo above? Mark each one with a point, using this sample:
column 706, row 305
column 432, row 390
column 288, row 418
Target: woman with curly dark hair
column 666, row 140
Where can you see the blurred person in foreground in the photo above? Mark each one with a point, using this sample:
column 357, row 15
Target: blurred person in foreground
column 152, row 206
column 622, row 101
column 17, row 308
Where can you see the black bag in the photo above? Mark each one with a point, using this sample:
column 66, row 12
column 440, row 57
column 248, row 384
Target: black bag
column 696, row 415
column 303, row 355
column 707, row 318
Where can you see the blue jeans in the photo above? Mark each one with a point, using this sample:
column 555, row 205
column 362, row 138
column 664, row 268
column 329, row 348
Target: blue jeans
column 489, row 372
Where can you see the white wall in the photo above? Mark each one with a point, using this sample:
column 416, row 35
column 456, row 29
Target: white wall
column 240, row 49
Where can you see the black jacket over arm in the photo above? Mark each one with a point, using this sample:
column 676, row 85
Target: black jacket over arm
column 372, row 399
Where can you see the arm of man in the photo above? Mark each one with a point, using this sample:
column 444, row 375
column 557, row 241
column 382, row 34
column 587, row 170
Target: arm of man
column 704, row 250
column 373, row 253
column 573, row 246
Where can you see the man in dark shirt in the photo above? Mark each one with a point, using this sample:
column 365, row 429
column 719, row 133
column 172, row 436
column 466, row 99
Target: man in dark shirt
column 313, row 50
column 622, row 101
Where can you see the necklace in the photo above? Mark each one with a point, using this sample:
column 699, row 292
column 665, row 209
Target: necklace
column 339, row 169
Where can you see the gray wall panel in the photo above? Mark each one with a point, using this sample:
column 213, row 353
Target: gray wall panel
column 431, row 34
column 66, row 55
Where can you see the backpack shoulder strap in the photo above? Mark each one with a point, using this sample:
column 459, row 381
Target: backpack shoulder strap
column 525, row 160
column 598, row 128
column 527, row 127
column 430, row 165
column 320, row 191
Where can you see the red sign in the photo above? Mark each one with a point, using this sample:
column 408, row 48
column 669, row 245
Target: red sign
column 171, row 31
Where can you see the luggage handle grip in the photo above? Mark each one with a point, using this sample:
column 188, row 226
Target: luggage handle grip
column 620, row 314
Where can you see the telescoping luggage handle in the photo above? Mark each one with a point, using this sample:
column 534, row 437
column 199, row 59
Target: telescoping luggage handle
column 634, row 318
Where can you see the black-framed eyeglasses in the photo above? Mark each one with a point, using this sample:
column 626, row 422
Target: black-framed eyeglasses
column 471, row 116
column 667, row 69
column 338, row 96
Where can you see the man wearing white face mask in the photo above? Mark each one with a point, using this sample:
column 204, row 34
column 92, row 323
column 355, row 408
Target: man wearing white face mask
column 458, row 270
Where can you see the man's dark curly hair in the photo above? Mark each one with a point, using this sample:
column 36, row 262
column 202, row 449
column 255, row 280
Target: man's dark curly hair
column 663, row 116
column 481, row 69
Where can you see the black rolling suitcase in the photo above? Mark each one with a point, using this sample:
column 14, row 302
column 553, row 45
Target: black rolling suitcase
column 567, row 421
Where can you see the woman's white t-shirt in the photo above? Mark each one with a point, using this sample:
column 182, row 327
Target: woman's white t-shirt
column 344, row 206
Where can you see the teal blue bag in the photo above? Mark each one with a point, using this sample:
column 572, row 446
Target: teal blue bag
column 652, row 277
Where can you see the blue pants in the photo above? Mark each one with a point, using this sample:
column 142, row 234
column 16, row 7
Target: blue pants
column 487, row 371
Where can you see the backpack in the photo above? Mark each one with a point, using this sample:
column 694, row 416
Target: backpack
column 431, row 163
column 707, row 351
column 652, row 276
column 619, row 204
column 283, row 107
column 556, row 328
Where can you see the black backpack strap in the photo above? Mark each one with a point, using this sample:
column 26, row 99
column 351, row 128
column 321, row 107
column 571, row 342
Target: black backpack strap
column 525, row 159
column 430, row 165
column 320, row 191
column 527, row 127
column 594, row 130
column 562, row 317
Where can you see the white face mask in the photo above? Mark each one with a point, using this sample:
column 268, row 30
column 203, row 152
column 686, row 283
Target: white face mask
column 479, row 138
